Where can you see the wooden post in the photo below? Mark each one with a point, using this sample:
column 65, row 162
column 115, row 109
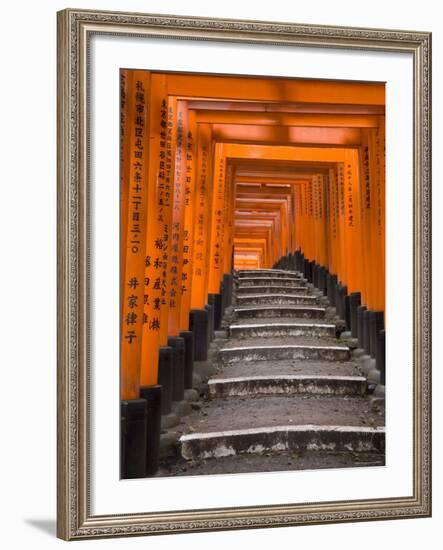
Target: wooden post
column 202, row 218
column 188, row 232
column 135, row 193
column 154, row 261
column 178, row 217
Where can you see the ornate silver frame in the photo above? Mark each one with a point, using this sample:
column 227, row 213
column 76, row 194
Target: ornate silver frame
column 75, row 28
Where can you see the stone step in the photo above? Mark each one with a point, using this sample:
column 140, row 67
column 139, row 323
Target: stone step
column 302, row 438
column 287, row 351
column 257, row 312
column 278, row 461
column 273, row 329
column 287, row 384
column 288, row 367
column 283, row 422
column 269, row 273
column 271, row 289
column 273, row 281
column 268, row 299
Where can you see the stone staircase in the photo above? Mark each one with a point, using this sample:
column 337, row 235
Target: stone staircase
column 284, row 384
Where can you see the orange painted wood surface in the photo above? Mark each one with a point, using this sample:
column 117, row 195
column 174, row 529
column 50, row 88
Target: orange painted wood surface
column 236, row 172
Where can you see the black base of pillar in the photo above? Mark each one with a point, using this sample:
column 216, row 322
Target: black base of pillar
column 322, row 279
column 366, row 316
column 348, row 312
column 376, row 324
column 340, row 298
column 315, row 267
column 360, row 311
column 307, row 270
column 227, row 289
column 354, row 304
column 188, row 337
column 226, row 293
column 223, row 300
column 311, row 271
column 178, row 367
column 165, row 377
column 133, row 438
column 299, row 261
column 210, row 309
column 215, row 301
column 199, row 324
column 153, row 397
column 380, row 356
column 331, row 286
column 338, row 294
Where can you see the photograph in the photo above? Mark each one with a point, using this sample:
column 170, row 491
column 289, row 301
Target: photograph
column 252, row 273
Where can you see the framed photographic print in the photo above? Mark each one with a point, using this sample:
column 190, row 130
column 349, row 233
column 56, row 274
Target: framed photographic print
column 244, row 274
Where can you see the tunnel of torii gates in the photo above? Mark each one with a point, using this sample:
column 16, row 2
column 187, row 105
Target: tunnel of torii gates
column 222, row 173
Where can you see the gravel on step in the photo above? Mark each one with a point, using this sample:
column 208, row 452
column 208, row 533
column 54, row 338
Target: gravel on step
column 279, row 321
column 237, row 413
column 288, row 366
column 283, row 342
column 270, row 462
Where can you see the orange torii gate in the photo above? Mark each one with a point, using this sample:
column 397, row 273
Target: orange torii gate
column 283, row 197
column 136, row 88
column 372, row 96
column 351, row 137
column 305, row 107
column 280, row 89
column 271, row 187
column 331, row 134
column 308, row 200
column 350, row 272
column 259, row 209
column 254, row 243
column 266, row 226
column 285, row 191
column 217, row 115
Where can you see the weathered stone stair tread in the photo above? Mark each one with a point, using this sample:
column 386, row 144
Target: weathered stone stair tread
column 286, row 384
column 275, row 295
column 280, row 461
column 243, row 413
column 279, row 310
column 277, row 299
column 289, row 307
column 294, row 367
column 238, row 425
column 282, row 342
column 280, row 321
column 271, row 289
column 271, row 273
column 267, row 270
column 284, row 284
column 293, row 347
column 288, row 330
column 280, row 280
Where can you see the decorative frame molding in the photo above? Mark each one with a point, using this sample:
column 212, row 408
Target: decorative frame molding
column 75, row 27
